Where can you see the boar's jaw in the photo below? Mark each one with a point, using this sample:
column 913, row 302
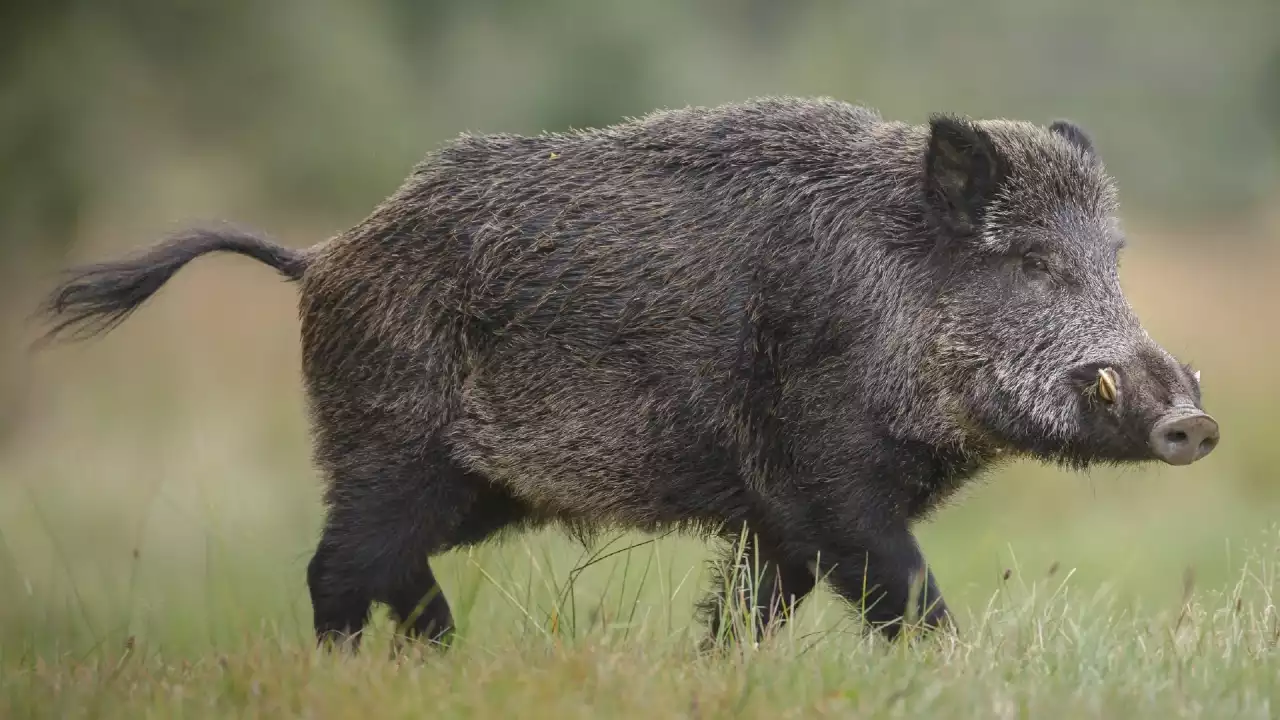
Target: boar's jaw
column 1143, row 409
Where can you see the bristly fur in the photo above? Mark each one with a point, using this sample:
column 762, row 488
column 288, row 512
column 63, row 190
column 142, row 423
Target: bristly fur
column 786, row 315
column 94, row 299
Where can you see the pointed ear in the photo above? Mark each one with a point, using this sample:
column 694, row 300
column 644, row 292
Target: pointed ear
column 1074, row 134
column 962, row 171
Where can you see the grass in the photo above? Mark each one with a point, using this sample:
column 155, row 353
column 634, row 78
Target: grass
column 1040, row 647
column 157, row 510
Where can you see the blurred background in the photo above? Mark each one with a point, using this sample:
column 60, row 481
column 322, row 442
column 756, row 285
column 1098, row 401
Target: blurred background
column 158, row 482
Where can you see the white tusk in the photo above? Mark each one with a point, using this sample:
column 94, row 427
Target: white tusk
column 1107, row 385
column 1197, row 374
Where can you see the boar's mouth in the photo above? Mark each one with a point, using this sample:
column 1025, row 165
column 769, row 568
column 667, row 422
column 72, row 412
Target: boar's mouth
column 1086, row 376
column 1179, row 434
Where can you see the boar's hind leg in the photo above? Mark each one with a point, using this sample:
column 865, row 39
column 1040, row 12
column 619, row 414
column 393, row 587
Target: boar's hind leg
column 339, row 604
column 759, row 589
column 416, row 601
column 385, row 519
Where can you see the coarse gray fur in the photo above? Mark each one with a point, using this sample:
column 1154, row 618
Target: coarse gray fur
column 790, row 316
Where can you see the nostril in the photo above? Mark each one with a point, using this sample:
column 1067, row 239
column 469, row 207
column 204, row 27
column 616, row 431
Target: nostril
column 1183, row 439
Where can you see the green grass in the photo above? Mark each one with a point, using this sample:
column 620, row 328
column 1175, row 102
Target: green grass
column 620, row 645
column 210, row 618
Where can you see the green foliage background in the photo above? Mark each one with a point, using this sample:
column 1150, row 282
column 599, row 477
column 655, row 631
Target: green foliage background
column 157, row 484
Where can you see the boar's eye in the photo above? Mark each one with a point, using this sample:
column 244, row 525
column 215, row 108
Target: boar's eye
column 1034, row 264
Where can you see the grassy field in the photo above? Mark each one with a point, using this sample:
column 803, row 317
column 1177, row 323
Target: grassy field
column 1050, row 648
column 158, row 508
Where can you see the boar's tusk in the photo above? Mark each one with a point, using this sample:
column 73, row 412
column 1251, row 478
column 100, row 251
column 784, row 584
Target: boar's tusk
column 1107, row 385
column 1197, row 376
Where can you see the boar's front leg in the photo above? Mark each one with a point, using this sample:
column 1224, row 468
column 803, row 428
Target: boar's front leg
column 760, row 587
column 885, row 576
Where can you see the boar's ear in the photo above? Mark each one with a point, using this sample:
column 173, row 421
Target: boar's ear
column 962, row 170
column 1074, row 134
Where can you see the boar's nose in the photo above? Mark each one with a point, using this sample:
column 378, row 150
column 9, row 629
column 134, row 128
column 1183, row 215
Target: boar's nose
column 1183, row 437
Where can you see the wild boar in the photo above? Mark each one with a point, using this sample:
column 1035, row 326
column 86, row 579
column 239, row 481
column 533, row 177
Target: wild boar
column 788, row 316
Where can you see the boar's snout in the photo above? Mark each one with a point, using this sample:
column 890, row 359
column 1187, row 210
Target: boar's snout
column 1147, row 408
column 1183, row 436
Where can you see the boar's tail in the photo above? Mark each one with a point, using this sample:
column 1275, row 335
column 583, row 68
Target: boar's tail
column 95, row 298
